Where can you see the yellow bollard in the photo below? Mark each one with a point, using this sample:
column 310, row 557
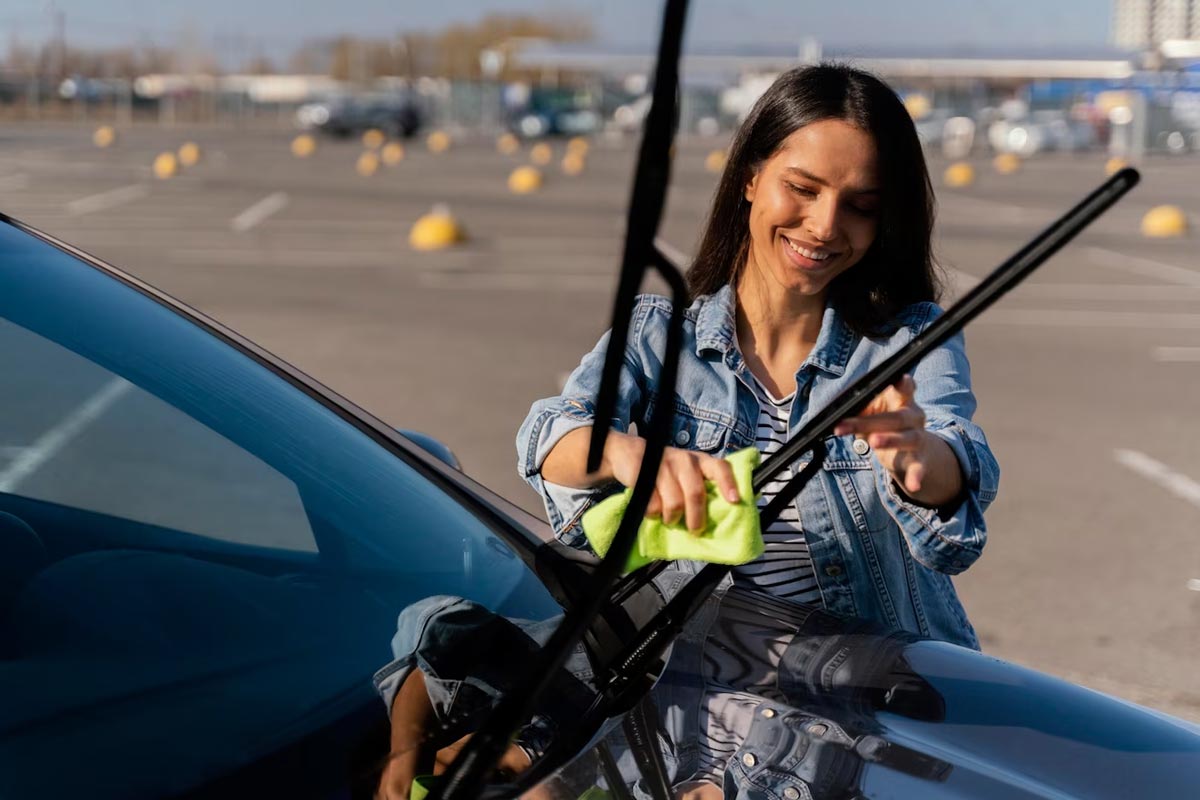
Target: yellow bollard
column 1164, row 221
column 373, row 139
column 165, row 165
column 507, row 144
column 715, row 161
column 541, row 153
column 917, row 105
column 1006, row 163
column 573, row 164
column 578, row 145
column 438, row 142
column 104, row 136
column 367, row 164
column 304, row 146
column 959, row 175
column 436, row 230
column 189, row 154
column 392, row 153
column 1115, row 165
column 524, row 180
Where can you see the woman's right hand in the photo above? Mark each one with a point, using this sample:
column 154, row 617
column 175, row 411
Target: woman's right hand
column 679, row 490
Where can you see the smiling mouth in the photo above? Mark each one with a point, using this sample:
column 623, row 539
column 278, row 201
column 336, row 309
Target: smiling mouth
column 807, row 256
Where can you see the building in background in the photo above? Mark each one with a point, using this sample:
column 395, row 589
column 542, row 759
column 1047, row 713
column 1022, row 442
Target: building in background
column 1146, row 24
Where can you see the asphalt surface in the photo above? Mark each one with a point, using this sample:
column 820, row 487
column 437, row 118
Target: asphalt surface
column 1087, row 377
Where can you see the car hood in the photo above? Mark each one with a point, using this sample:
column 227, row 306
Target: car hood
column 1010, row 731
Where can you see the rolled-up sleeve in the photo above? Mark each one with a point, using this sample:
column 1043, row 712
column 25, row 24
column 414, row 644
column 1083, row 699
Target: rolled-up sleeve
column 950, row 539
column 552, row 418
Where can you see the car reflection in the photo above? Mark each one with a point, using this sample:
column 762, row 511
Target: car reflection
column 774, row 699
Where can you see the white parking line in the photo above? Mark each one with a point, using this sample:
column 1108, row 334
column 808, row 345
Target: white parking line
column 1118, row 292
column 11, row 183
column 1144, row 266
column 1174, row 482
column 271, row 204
column 680, row 258
column 113, row 197
column 515, row 281
column 992, row 210
column 1194, row 584
column 53, row 440
column 1053, row 318
column 1175, row 354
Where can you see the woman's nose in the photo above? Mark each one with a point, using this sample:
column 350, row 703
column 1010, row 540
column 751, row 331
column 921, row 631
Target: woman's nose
column 822, row 219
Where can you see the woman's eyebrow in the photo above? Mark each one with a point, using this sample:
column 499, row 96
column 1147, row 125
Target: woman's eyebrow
column 815, row 179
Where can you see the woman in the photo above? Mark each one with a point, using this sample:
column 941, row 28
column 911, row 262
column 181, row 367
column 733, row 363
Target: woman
column 814, row 266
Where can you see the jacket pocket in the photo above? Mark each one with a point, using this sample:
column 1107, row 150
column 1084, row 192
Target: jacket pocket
column 696, row 429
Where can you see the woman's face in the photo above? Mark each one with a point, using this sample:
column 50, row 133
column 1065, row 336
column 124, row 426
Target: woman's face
column 814, row 208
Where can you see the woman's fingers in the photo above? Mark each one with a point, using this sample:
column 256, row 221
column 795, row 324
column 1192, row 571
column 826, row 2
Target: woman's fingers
column 681, row 491
column 902, row 440
column 885, row 421
column 695, row 496
column 719, row 472
column 914, row 476
column 671, row 492
column 654, row 507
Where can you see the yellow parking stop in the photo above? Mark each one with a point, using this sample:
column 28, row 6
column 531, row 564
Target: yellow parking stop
column 436, row 230
column 303, row 146
column 189, row 154
column 524, row 180
column 1164, row 221
column 165, row 165
column 959, row 175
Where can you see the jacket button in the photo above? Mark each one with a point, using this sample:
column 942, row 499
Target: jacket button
column 791, row 793
column 749, row 760
column 768, row 712
column 861, row 447
column 682, row 438
column 833, row 570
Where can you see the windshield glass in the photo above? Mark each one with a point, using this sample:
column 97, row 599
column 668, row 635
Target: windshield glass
column 187, row 537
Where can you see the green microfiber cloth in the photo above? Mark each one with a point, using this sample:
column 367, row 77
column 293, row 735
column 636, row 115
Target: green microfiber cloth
column 732, row 534
column 422, row 785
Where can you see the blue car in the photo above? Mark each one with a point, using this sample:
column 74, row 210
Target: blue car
column 203, row 554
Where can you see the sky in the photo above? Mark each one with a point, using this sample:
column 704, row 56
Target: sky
column 276, row 26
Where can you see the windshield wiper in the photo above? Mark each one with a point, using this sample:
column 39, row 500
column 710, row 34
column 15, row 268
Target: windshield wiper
column 667, row 624
column 466, row 775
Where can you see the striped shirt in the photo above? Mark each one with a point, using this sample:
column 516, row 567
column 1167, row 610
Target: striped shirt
column 785, row 568
column 741, row 663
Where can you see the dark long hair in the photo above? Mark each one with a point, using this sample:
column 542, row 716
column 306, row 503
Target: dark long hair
column 898, row 269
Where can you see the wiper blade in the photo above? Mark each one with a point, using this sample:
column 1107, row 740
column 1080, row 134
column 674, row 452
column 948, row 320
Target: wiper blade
column 658, row 634
column 1002, row 279
column 466, row 775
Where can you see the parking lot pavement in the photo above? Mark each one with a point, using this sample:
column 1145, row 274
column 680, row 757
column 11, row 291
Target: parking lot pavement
column 1086, row 376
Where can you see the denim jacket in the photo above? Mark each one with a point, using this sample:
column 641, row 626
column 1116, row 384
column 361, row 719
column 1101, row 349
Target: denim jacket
column 876, row 554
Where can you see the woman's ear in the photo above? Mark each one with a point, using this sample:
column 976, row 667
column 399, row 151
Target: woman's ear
column 751, row 186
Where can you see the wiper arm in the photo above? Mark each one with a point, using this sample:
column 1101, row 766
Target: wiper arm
column 1002, row 279
column 466, row 775
column 658, row 634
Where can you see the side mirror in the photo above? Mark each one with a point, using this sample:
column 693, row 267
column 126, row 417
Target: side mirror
column 433, row 447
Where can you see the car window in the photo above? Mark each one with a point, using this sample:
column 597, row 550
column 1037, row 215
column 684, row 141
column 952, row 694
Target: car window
column 75, row 433
column 200, row 563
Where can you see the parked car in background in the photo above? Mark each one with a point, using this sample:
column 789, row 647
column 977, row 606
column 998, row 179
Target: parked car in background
column 554, row 112
column 396, row 116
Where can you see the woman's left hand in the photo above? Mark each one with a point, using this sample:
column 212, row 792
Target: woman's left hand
column 894, row 425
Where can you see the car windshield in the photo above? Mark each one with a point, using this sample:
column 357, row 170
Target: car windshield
column 200, row 562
